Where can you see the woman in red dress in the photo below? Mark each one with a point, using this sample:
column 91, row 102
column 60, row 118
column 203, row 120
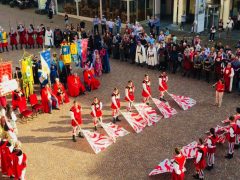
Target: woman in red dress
column 163, row 87
column 39, row 38
column 90, row 81
column 60, row 92
column 129, row 95
column 146, row 92
column 115, row 106
column 96, row 112
column 30, row 33
column 13, row 38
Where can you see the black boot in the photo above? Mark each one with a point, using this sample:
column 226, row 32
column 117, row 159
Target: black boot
column 80, row 135
column 209, row 168
column 74, row 138
column 117, row 119
column 236, row 146
column 196, row 176
column 95, row 128
column 229, row 156
column 114, row 120
column 12, row 48
column 7, row 49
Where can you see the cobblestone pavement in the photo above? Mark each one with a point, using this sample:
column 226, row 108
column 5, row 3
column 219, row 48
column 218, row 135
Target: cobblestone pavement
column 53, row 156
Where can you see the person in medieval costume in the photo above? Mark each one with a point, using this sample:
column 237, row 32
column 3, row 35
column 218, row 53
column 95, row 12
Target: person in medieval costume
column 60, row 92
column 96, row 112
column 97, row 61
column 178, row 166
column 200, row 162
column 151, row 56
column 22, row 35
column 4, row 40
column 163, row 87
column 129, row 95
column 211, row 149
column 49, row 100
column 228, row 74
column 49, row 36
column 231, row 137
column 42, row 77
column 76, row 117
column 105, row 59
column 39, row 38
column 146, row 92
column 115, row 106
column 18, row 98
column 140, row 57
column 53, row 73
column 90, row 81
column 13, row 38
column 75, row 86
column 58, row 37
column 30, row 33
column 19, row 161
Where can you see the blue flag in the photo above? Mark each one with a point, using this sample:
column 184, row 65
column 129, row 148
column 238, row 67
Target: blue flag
column 46, row 59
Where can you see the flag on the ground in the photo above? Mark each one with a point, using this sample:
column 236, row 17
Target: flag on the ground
column 27, row 75
column 163, row 167
column 84, row 50
column 189, row 151
column 5, row 71
column 46, row 59
column 98, row 142
column 184, row 102
column 166, row 110
column 148, row 113
column 135, row 120
column 66, row 54
column 114, row 131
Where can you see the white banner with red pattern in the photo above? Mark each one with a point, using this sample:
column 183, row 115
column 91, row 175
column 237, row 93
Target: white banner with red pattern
column 114, row 131
column 184, row 102
column 148, row 113
column 166, row 110
column 135, row 120
column 163, row 167
column 98, row 142
column 189, row 151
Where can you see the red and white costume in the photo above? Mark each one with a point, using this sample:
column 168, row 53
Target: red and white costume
column 76, row 116
column 19, row 165
column 6, row 157
column 13, row 38
column 39, row 38
column 60, row 92
column 178, row 167
column 96, row 112
column 231, row 137
column 163, row 87
column 30, row 40
column 200, row 162
column 237, row 130
column 115, row 106
column 22, row 35
column 211, row 149
column 228, row 74
column 129, row 96
column 146, row 92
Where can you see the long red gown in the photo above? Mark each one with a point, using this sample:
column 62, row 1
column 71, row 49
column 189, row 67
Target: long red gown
column 75, row 86
column 18, row 101
column 6, row 158
column 57, row 88
column 18, row 167
column 90, row 81
column 45, row 100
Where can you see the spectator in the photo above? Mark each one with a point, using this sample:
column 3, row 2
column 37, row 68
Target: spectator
column 104, row 24
column 95, row 25
column 183, row 21
column 220, row 28
column 212, row 33
column 157, row 25
column 229, row 27
column 110, row 26
column 118, row 25
column 66, row 19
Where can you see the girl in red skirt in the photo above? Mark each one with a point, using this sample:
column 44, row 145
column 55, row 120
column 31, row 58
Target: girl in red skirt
column 146, row 92
column 115, row 106
column 96, row 112
column 129, row 95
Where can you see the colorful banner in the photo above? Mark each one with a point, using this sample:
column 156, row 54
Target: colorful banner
column 84, row 50
column 8, row 86
column 5, row 71
column 98, row 142
column 164, row 108
column 189, row 151
column 135, row 120
column 46, row 59
column 27, row 75
column 148, row 113
column 66, row 54
column 184, row 102
column 163, row 167
column 114, row 131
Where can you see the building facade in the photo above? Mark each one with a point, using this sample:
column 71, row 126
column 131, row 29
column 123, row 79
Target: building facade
column 140, row 10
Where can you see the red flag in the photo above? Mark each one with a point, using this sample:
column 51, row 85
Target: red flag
column 164, row 108
column 184, row 102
